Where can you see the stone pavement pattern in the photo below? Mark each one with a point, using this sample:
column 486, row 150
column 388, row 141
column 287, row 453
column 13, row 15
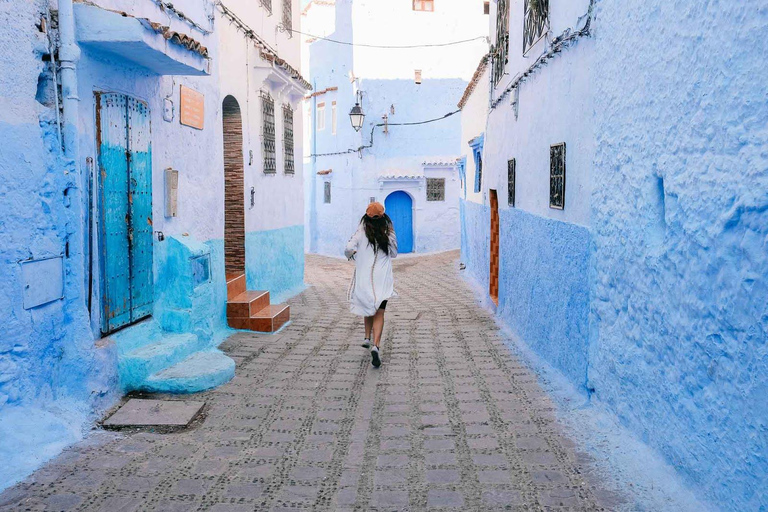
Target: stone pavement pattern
column 450, row 421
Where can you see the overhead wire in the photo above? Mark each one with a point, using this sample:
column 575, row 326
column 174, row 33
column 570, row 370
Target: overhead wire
column 386, row 46
column 373, row 129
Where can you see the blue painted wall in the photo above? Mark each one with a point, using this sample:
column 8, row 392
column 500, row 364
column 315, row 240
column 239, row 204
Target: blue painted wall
column 275, row 261
column 660, row 300
column 54, row 377
column 680, row 223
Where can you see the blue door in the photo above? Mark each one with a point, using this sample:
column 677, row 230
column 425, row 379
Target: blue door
column 399, row 206
column 125, row 195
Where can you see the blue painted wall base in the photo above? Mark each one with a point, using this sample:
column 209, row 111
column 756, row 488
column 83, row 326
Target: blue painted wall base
column 275, row 262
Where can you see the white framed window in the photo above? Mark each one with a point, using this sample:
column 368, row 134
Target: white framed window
column 487, row 7
column 435, row 189
column 320, row 117
column 424, row 5
column 417, row 76
column 333, row 117
column 327, row 192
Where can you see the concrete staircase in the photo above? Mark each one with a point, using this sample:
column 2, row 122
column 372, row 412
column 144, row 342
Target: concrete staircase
column 150, row 359
column 251, row 310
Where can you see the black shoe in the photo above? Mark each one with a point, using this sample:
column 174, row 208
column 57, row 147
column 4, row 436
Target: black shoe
column 375, row 359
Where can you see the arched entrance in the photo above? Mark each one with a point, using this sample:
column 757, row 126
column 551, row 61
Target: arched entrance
column 234, row 207
column 399, row 206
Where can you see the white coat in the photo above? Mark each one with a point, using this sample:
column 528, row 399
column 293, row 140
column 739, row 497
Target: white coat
column 372, row 282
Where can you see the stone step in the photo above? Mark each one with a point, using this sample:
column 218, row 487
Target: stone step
column 198, row 372
column 247, row 304
column 271, row 318
column 235, row 285
column 135, row 366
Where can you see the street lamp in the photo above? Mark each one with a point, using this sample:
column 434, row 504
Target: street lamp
column 356, row 116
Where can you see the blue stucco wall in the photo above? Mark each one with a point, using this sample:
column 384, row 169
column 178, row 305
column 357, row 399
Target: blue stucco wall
column 680, row 214
column 544, row 287
column 275, row 261
column 476, row 241
column 673, row 266
column 53, row 377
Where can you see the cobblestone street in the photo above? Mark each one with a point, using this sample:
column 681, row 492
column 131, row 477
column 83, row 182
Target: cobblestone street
column 450, row 421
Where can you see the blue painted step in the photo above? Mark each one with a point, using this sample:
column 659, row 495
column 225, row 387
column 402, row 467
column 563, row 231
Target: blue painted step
column 198, row 372
column 137, row 365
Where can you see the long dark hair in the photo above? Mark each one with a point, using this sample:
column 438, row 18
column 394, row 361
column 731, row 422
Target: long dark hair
column 377, row 231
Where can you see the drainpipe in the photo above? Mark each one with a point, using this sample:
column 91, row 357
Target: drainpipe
column 69, row 54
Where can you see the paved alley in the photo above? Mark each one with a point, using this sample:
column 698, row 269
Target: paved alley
column 450, row 421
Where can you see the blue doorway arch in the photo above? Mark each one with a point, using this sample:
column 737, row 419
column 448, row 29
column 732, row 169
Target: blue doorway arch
column 399, row 206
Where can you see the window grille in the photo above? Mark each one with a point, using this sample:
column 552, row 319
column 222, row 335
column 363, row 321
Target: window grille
column 487, row 7
column 501, row 49
column 478, row 171
column 327, row 192
column 267, row 4
column 288, row 165
column 373, row 199
column 424, row 5
column 557, row 176
column 288, row 17
column 511, row 169
column 536, row 22
column 435, row 189
column 268, row 132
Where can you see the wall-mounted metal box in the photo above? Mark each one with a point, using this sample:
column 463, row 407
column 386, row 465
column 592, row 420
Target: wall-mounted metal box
column 43, row 281
column 171, row 192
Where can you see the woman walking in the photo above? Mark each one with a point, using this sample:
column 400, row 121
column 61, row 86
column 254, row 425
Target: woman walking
column 372, row 247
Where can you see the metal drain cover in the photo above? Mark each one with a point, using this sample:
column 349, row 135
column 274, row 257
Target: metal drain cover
column 138, row 412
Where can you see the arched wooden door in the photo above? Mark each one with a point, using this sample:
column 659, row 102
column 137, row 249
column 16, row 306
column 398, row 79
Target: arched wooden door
column 399, row 206
column 234, row 206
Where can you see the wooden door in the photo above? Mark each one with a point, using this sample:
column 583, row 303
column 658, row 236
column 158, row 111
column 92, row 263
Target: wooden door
column 125, row 209
column 493, row 288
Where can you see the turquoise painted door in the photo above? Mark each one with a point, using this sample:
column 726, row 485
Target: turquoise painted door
column 125, row 193
column 399, row 206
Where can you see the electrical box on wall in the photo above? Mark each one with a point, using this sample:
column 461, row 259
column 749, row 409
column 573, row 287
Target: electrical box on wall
column 168, row 110
column 171, row 192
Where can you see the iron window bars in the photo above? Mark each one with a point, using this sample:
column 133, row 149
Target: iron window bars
column 535, row 22
column 267, row 4
column 557, row 176
column 287, row 17
column 288, row 163
column 478, row 171
column 501, row 50
column 435, row 189
column 511, row 169
column 268, row 127
column 327, row 192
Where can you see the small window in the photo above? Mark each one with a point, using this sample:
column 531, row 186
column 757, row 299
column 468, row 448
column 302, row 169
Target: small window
column 536, row 22
column 500, row 50
column 417, row 76
column 424, row 5
column 268, row 132
column 435, row 189
column 333, row 117
column 373, row 199
column 289, row 164
column 487, row 7
column 557, row 176
column 511, row 168
column 320, row 117
column 478, row 171
column 327, row 192
column 288, row 17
